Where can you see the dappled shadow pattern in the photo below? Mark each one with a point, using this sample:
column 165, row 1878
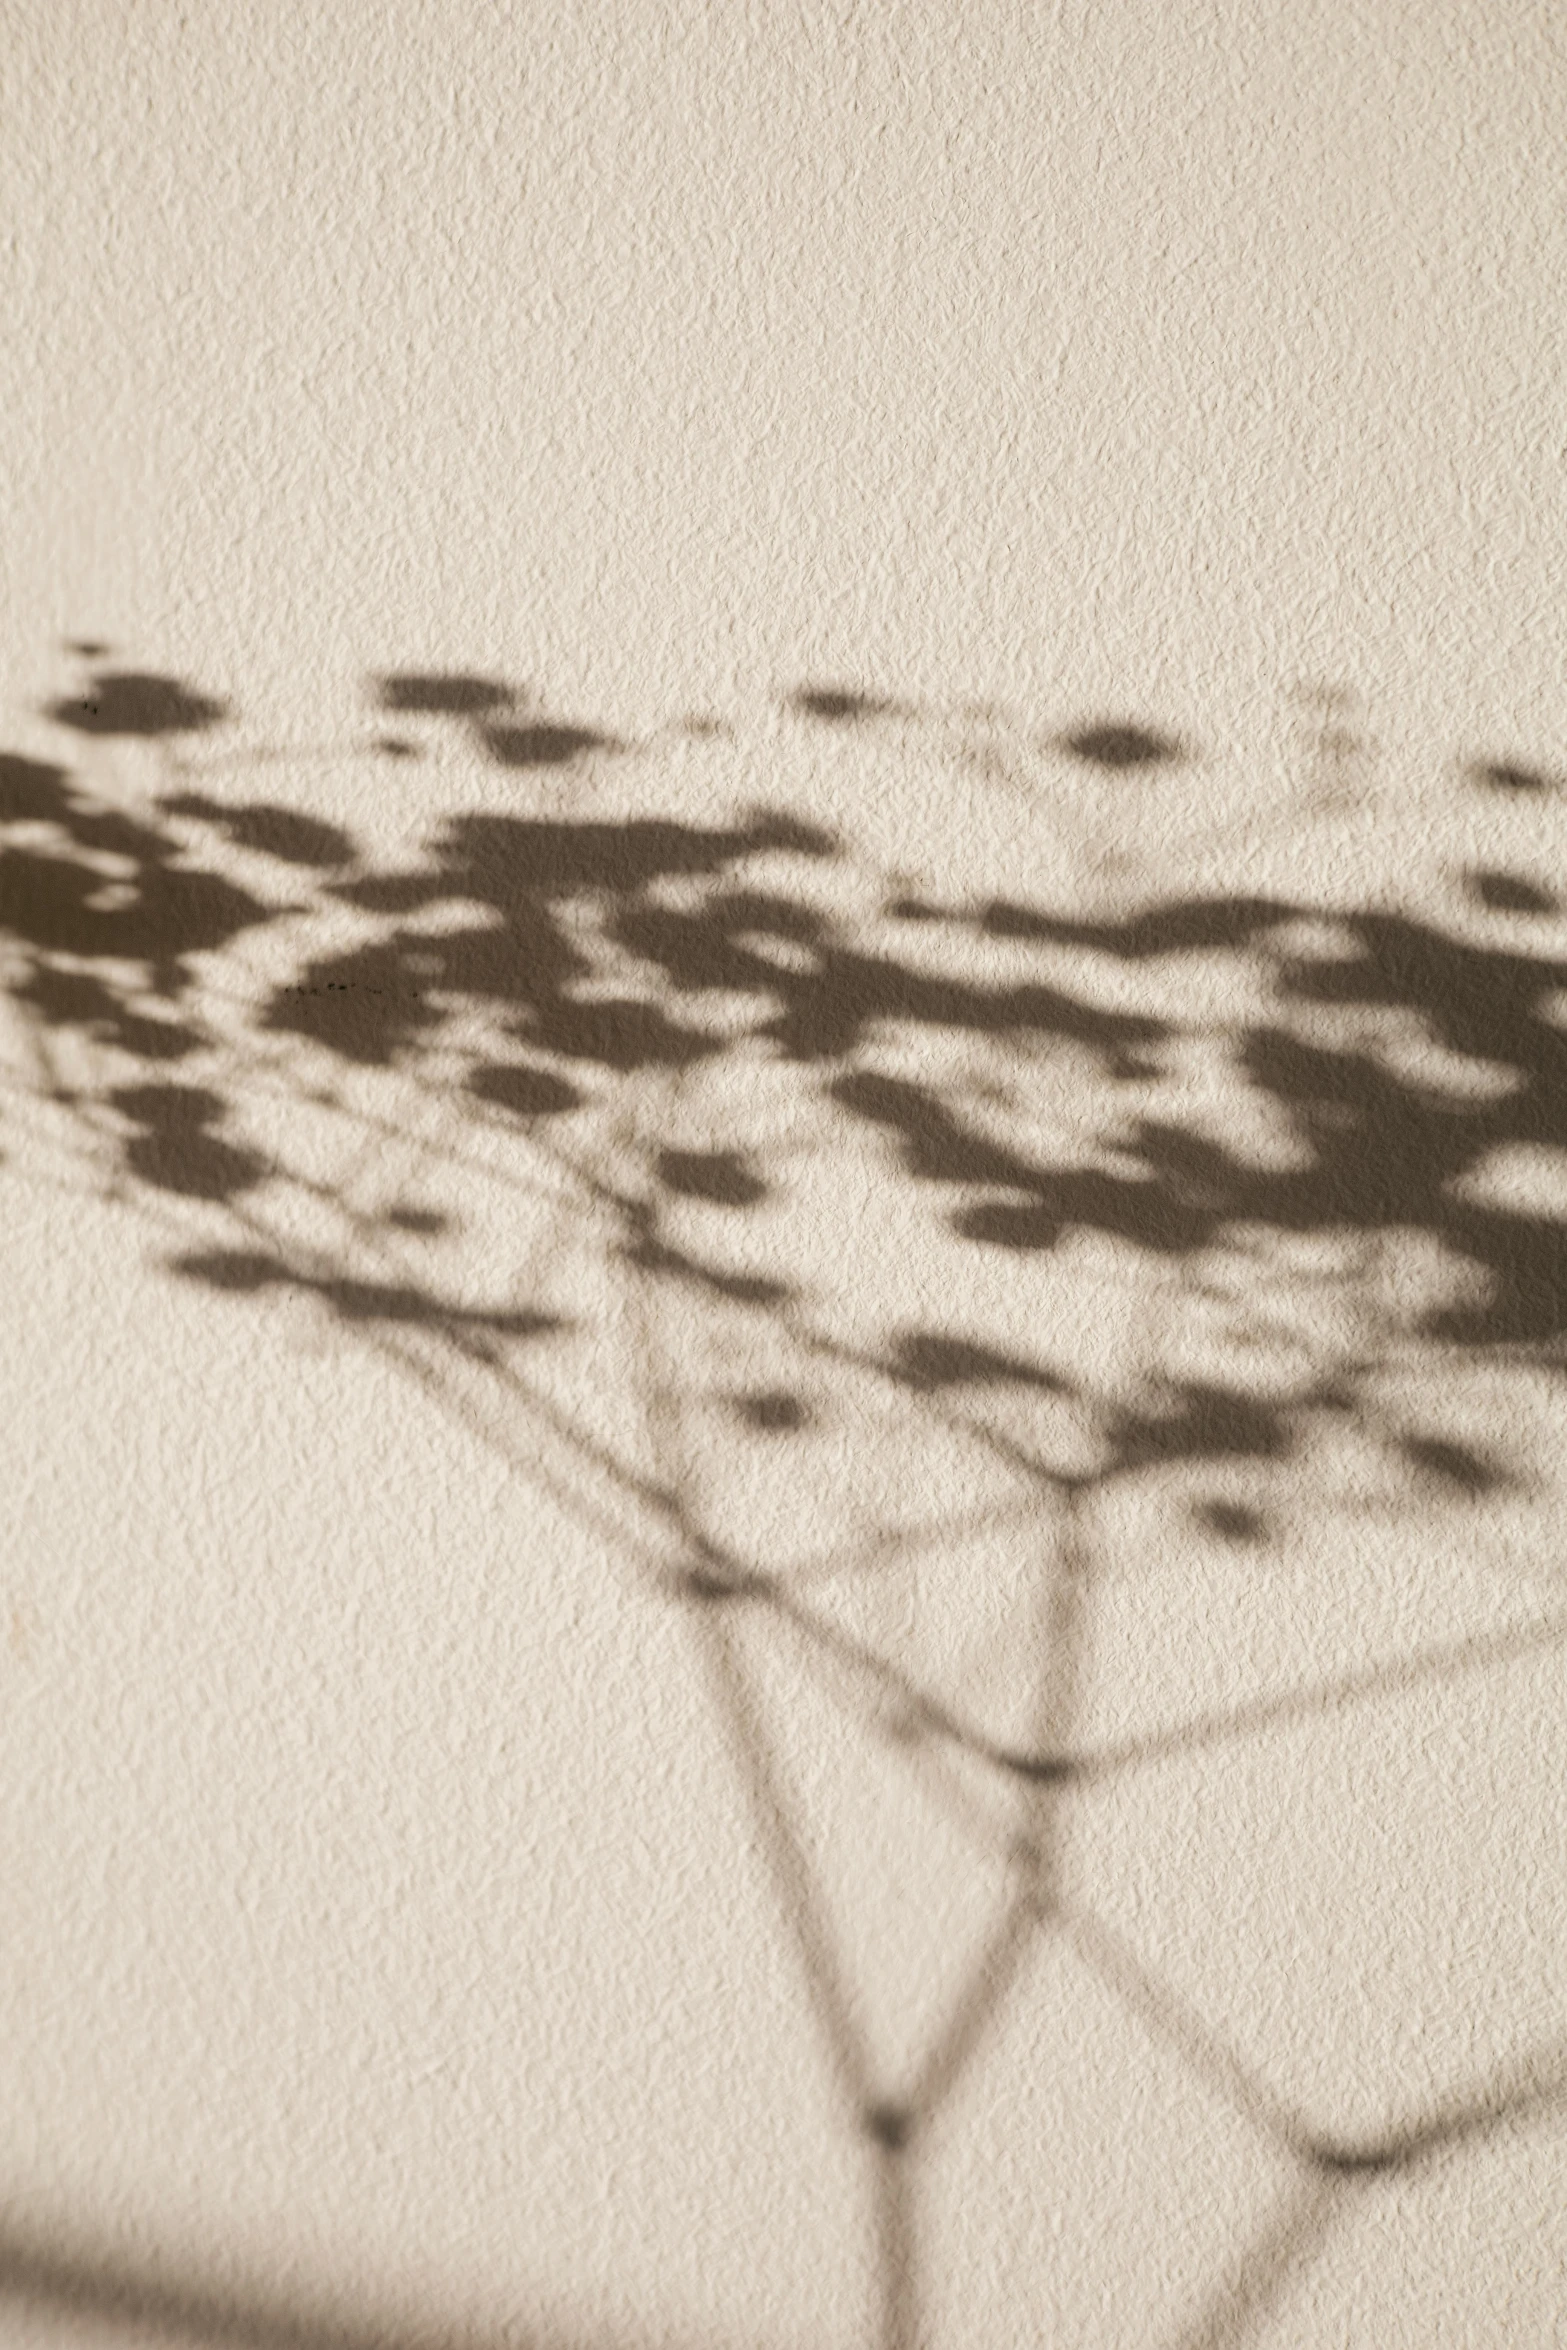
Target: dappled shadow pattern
column 608, row 994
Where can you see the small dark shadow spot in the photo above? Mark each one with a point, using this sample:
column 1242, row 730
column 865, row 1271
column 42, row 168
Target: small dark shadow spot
column 1120, row 746
column 912, row 910
column 839, row 705
column 707, row 1586
column 543, row 746
column 748, row 1289
column 1234, row 1520
column 773, row 1410
column 719, row 1176
column 441, row 693
column 392, row 746
column 242, row 1271
column 890, row 2125
column 399, row 1302
column 1002, row 1224
column 928, row 1358
column 1204, row 1423
column 1503, row 775
column 129, row 703
column 775, row 828
column 1354, row 2162
column 526, row 1092
column 1508, row 893
column 419, row 1220
column 1453, row 1464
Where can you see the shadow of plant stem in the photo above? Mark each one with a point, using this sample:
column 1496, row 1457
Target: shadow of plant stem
column 587, row 1003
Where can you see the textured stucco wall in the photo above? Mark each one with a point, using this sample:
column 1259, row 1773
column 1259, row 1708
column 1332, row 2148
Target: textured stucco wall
column 390, row 1939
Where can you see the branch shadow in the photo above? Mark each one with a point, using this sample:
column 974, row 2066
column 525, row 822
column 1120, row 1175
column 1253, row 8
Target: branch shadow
column 592, row 998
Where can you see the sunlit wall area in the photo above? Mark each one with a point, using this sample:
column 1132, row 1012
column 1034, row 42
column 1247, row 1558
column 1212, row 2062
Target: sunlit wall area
column 783, row 1177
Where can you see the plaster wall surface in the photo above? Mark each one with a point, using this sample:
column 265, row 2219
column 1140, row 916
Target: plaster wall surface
column 782, row 1175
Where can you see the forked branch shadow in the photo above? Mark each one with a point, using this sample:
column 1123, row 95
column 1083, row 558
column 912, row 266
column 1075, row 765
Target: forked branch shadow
column 1217, row 1189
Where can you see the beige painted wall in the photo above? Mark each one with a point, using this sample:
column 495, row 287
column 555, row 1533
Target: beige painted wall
column 400, row 1934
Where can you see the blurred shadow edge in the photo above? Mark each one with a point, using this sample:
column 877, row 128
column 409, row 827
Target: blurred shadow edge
column 51, row 2275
